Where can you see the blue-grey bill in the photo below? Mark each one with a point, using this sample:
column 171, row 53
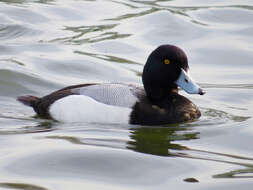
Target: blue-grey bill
column 187, row 84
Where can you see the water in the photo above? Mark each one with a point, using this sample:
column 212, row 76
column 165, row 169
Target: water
column 46, row 45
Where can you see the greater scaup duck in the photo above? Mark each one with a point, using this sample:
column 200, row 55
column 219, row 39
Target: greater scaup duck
column 155, row 104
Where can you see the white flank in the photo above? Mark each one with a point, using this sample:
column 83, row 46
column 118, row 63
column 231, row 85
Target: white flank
column 80, row 108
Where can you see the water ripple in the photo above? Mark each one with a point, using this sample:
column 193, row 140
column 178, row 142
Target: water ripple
column 12, row 32
column 50, row 43
column 90, row 34
column 237, row 86
column 22, row 186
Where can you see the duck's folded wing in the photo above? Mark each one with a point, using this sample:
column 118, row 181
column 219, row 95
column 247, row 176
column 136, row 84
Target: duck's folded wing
column 120, row 95
column 111, row 94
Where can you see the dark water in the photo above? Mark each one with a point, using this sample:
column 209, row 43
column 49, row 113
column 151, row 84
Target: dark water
column 45, row 45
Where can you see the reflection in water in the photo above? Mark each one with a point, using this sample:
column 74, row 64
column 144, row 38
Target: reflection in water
column 27, row 126
column 191, row 180
column 241, row 173
column 156, row 141
column 214, row 117
column 141, row 24
column 113, row 59
column 44, row 126
column 134, row 15
column 238, row 86
column 14, row 1
column 98, row 33
column 159, row 141
column 14, row 31
column 164, row 141
column 11, row 60
column 22, row 186
column 108, row 58
column 91, row 34
column 27, row 1
column 109, row 143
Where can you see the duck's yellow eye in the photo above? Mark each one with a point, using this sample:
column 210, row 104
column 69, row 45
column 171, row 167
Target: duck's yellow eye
column 166, row 61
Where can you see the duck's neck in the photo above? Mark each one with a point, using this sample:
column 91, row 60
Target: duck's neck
column 157, row 95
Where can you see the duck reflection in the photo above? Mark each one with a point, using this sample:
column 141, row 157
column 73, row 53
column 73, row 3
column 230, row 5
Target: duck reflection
column 24, row 126
column 162, row 142
column 159, row 141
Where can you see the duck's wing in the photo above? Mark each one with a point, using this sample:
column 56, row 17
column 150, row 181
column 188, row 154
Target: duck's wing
column 121, row 95
column 115, row 94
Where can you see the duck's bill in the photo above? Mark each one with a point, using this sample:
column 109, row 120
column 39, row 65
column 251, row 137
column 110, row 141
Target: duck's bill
column 187, row 84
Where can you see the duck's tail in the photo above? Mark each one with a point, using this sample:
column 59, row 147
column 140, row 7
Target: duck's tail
column 28, row 100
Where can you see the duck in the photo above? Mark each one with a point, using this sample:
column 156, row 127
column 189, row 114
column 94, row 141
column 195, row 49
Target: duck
column 156, row 102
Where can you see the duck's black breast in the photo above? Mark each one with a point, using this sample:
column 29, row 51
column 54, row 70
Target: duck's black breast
column 175, row 109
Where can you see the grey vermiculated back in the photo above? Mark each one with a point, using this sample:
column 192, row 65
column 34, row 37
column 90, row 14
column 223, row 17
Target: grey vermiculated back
column 123, row 95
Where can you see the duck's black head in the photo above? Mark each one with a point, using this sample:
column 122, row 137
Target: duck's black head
column 166, row 69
